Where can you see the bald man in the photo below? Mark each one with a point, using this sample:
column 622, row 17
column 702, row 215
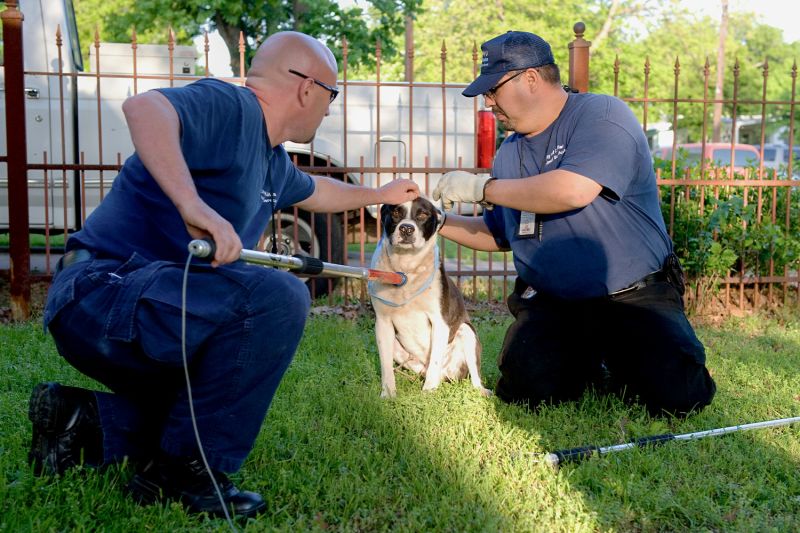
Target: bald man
column 209, row 163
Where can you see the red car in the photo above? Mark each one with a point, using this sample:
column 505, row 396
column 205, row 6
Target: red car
column 716, row 154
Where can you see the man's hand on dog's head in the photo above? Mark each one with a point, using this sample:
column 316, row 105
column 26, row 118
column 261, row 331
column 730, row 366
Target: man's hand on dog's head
column 399, row 191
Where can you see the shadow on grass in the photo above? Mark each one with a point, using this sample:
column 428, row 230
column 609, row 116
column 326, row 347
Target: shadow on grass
column 746, row 481
column 333, row 454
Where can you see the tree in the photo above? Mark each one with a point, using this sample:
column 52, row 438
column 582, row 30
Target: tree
column 324, row 19
column 723, row 35
column 463, row 24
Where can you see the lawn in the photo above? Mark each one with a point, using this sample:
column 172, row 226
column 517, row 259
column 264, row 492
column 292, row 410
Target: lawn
column 333, row 456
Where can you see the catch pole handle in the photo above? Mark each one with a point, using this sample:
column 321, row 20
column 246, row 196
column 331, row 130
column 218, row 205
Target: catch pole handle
column 572, row 455
column 204, row 248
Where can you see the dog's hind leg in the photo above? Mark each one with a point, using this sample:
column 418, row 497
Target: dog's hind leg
column 438, row 355
column 472, row 353
column 406, row 360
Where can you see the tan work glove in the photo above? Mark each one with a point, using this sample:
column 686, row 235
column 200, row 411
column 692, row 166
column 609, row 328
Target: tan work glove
column 461, row 186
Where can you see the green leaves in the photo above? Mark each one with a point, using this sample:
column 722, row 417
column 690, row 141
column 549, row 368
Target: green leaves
column 730, row 230
column 324, row 19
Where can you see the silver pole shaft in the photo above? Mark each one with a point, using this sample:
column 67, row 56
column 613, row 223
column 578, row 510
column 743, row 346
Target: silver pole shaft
column 554, row 459
column 270, row 259
column 202, row 248
column 741, row 427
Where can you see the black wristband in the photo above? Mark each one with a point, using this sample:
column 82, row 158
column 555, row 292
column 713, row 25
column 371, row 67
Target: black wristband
column 486, row 205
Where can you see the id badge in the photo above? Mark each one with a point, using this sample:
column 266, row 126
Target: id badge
column 527, row 225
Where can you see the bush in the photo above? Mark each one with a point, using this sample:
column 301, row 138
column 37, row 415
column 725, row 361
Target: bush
column 724, row 230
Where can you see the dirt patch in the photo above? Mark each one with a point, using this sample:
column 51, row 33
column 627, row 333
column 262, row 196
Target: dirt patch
column 38, row 296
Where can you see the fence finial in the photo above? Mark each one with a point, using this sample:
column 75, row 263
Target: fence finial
column 579, row 59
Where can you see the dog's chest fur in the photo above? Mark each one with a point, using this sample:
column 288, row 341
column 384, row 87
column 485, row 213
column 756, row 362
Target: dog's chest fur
column 413, row 319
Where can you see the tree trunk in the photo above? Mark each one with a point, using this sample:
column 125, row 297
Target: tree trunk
column 230, row 34
column 607, row 24
column 718, row 93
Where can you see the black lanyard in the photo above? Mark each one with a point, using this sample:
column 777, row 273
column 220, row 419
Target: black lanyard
column 539, row 166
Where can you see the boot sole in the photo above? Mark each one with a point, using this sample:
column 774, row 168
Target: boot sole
column 42, row 410
column 146, row 492
column 40, row 413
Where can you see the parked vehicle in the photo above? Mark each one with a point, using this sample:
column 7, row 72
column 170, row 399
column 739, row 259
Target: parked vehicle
column 716, row 154
column 75, row 117
column 777, row 156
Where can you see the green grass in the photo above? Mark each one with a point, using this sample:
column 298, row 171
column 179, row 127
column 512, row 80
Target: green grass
column 333, row 456
column 56, row 239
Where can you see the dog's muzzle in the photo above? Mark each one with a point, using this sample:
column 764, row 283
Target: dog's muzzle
column 406, row 232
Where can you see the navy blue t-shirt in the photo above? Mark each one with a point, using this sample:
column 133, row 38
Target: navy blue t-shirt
column 618, row 238
column 225, row 143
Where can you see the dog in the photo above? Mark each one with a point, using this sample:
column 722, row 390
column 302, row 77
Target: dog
column 422, row 325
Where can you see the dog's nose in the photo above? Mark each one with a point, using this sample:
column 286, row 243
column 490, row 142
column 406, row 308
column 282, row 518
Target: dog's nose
column 406, row 230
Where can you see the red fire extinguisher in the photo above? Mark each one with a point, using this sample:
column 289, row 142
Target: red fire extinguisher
column 487, row 138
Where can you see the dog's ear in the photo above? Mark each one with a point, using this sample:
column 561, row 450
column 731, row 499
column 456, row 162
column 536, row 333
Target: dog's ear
column 386, row 214
column 441, row 216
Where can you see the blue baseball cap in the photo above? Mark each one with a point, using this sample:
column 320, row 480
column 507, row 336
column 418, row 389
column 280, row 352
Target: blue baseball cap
column 514, row 50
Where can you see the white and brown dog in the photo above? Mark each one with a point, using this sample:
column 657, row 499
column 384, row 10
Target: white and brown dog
column 422, row 325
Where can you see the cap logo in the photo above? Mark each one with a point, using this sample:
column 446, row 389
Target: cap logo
column 485, row 60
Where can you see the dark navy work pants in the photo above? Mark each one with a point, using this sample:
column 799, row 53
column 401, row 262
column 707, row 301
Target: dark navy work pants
column 120, row 323
column 556, row 348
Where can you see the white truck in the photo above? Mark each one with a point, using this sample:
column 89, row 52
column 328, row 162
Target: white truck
column 73, row 117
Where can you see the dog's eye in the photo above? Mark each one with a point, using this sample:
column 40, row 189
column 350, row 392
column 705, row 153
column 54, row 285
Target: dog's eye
column 422, row 216
column 397, row 214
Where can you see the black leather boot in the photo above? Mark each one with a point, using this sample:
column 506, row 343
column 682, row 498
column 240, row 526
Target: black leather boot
column 187, row 480
column 66, row 429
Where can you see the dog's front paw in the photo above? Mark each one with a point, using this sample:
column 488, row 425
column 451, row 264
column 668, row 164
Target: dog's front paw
column 388, row 392
column 485, row 392
column 429, row 387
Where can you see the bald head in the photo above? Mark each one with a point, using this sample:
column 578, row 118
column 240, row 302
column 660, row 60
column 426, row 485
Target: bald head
column 294, row 103
column 291, row 50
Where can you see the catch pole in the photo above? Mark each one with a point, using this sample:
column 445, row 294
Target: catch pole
column 302, row 264
column 574, row 455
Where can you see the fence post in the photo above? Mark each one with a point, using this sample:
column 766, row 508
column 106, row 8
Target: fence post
column 579, row 59
column 17, row 162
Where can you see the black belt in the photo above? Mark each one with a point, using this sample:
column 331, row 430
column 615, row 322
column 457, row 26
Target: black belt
column 79, row 255
column 649, row 279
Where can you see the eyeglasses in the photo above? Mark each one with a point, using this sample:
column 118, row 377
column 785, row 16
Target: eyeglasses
column 334, row 91
column 491, row 93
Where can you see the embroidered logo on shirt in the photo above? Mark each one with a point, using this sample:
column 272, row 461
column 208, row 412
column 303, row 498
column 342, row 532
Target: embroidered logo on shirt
column 268, row 197
column 555, row 154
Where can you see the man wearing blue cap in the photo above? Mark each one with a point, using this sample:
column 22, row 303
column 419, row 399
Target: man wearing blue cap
column 598, row 297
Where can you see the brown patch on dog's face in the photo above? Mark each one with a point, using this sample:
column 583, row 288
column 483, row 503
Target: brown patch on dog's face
column 411, row 224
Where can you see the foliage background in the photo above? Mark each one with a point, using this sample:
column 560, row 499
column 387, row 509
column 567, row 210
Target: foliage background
column 668, row 37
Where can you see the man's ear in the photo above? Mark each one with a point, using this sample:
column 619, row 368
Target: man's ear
column 304, row 92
